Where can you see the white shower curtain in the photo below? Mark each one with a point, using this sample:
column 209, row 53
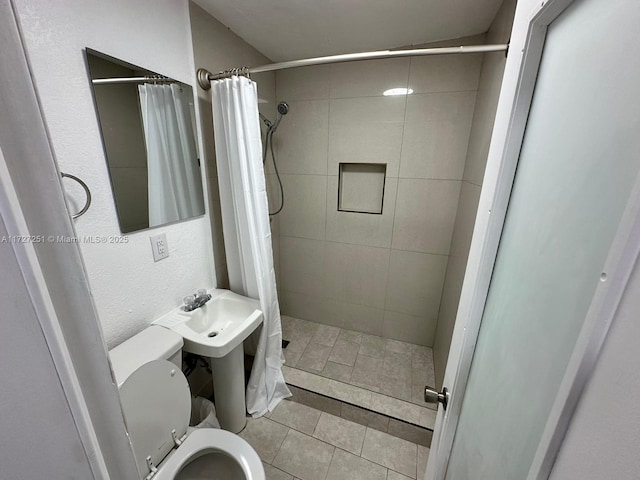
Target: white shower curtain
column 241, row 177
column 175, row 188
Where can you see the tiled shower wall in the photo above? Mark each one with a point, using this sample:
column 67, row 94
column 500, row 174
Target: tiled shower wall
column 481, row 130
column 379, row 274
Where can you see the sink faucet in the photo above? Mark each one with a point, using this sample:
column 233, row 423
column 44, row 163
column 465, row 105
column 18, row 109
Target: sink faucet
column 191, row 302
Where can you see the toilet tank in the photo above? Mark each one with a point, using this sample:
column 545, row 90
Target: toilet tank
column 153, row 343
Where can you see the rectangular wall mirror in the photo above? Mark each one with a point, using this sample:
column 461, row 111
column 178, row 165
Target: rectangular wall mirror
column 148, row 130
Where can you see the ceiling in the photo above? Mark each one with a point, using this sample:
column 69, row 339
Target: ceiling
column 294, row 29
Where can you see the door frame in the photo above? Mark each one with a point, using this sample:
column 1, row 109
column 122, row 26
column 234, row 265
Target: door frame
column 32, row 206
column 525, row 54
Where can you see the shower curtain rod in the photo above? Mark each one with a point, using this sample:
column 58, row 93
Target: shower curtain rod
column 205, row 77
column 105, row 81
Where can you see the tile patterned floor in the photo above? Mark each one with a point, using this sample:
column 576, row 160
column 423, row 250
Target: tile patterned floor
column 296, row 441
column 389, row 367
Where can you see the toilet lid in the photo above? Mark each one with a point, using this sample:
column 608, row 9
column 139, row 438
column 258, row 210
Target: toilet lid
column 155, row 400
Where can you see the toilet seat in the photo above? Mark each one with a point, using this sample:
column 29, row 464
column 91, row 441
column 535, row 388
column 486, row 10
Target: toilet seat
column 205, row 441
column 157, row 406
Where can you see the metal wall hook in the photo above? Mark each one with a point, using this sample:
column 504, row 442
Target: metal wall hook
column 86, row 191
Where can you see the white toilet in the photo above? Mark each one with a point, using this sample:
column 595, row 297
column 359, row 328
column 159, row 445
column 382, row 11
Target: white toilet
column 156, row 402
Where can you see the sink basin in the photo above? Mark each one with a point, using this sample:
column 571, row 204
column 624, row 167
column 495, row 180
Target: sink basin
column 217, row 330
column 217, row 327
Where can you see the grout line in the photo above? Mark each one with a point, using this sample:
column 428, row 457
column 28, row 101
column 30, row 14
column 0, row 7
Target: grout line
column 365, row 245
column 330, row 98
column 279, row 446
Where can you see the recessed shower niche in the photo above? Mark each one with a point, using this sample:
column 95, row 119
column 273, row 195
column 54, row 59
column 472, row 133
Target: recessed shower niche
column 361, row 187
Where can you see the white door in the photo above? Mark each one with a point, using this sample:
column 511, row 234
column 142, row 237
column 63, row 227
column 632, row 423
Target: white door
column 579, row 158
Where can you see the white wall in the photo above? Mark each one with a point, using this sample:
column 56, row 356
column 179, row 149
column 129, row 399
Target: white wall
column 130, row 290
column 603, row 439
column 379, row 274
column 483, row 118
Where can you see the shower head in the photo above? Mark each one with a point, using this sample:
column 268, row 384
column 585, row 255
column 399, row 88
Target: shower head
column 283, row 108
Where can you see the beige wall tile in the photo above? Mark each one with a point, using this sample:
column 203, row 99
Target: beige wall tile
column 360, row 228
column 267, row 107
column 302, row 266
column 447, row 73
column 447, row 315
column 487, row 103
column 366, row 130
column 307, row 307
column 415, row 282
column 484, row 114
column 425, row 215
column 301, row 140
column 436, row 135
column 368, row 78
column 303, row 214
column 356, row 273
column 465, row 219
column 409, row 328
column 355, row 317
column 305, row 83
column 430, row 130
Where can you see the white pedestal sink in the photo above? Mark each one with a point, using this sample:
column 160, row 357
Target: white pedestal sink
column 217, row 330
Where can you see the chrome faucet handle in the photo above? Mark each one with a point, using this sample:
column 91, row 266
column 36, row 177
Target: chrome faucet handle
column 189, row 302
column 202, row 296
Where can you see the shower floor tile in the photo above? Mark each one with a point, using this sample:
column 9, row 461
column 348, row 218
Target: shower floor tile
column 336, row 448
column 388, row 367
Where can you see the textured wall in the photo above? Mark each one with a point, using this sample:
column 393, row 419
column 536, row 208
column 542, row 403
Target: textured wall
column 130, row 290
column 485, row 111
column 380, row 274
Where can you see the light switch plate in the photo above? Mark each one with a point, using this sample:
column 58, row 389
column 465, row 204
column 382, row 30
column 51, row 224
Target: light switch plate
column 159, row 247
